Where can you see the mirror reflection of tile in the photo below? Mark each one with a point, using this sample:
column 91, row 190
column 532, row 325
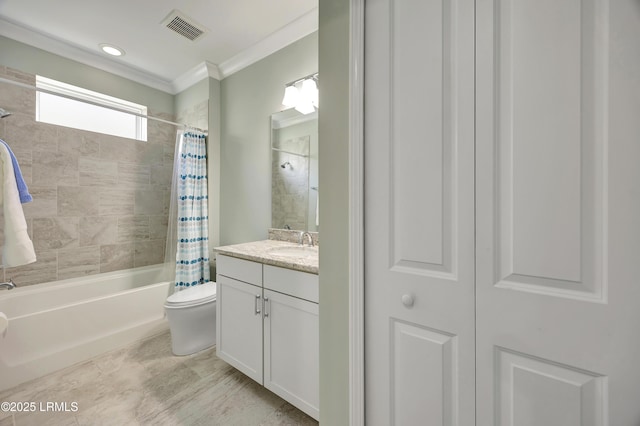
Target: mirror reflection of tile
column 290, row 183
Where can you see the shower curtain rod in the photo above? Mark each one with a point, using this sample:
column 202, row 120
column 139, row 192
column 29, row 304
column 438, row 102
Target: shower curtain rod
column 51, row 92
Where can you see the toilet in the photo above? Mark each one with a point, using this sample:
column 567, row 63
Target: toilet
column 192, row 318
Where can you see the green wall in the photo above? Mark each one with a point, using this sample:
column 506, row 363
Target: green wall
column 191, row 96
column 334, row 212
column 32, row 60
column 248, row 99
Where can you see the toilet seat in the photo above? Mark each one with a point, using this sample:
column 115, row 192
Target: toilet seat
column 193, row 296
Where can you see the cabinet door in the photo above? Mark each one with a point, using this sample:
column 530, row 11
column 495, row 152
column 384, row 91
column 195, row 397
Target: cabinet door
column 558, row 240
column 239, row 326
column 291, row 350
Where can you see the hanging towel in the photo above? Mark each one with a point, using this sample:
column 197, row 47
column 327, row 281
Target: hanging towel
column 23, row 191
column 18, row 248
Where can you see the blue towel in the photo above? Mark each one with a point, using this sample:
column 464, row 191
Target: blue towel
column 23, row 191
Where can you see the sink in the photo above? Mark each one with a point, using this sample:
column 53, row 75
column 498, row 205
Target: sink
column 294, row 251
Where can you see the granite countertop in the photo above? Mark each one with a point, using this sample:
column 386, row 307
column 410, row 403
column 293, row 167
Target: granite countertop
column 262, row 251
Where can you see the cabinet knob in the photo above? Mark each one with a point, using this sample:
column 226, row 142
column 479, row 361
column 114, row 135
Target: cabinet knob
column 408, row 300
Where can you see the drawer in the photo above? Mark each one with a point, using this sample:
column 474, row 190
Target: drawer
column 295, row 283
column 239, row 269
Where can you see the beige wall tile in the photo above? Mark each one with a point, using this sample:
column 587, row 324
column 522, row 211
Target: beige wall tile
column 78, row 201
column 98, row 230
column 149, row 252
column 116, row 201
column 54, row 168
column 96, row 172
column 149, row 202
column 149, row 153
column 78, row 262
column 55, row 233
column 118, row 149
column 158, row 227
column 75, row 143
column 115, row 257
column 23, row 130
column 133, row 228
column 44, row 204
column 18, row 100
column 161, row 175
column 132, row 175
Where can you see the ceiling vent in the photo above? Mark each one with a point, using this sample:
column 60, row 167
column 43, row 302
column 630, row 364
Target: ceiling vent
column 183, row 25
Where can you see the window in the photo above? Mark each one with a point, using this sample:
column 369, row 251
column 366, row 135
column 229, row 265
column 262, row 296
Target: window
column 86, row 113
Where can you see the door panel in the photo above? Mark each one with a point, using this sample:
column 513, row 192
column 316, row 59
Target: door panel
column 535, row 392
column 549, row 146
column 556, row 180
column 430, row 355
column 419, row 295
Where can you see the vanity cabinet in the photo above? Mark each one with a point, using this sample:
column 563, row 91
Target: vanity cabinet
column 268, row 328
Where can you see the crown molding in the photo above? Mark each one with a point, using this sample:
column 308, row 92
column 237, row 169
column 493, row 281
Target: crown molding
column 194, row 75
column 64, row 49
column 301, row 27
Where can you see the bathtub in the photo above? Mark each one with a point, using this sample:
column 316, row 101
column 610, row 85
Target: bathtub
column 58, row 324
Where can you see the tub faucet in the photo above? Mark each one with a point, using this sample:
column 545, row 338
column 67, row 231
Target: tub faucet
column 8, row 285
column 302, row 235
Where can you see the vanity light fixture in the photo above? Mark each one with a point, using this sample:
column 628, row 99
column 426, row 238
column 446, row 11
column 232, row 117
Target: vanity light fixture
column 302, row 94
column 291, row 95
column 309, row 91
column 111, row 49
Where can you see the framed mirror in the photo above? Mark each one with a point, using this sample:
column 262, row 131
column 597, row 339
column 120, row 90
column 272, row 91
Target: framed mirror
column 294, row 171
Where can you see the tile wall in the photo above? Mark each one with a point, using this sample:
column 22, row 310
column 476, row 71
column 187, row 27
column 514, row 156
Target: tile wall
column 100, row 202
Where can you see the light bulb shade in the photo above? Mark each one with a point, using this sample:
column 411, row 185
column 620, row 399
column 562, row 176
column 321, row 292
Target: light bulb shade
column 291, row 96
column 305, row 107
column 309, row 91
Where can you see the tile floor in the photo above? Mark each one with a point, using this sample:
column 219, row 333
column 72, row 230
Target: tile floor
column 144, row 384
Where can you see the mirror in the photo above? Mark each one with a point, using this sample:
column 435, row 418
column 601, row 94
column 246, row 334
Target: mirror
column 294, row 170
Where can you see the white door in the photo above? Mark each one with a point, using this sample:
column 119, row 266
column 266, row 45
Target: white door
column 558, row 208
column 239, row 325
column 419, row 212
column 292, row 350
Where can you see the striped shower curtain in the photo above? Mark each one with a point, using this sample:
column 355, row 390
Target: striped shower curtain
column 192, row 246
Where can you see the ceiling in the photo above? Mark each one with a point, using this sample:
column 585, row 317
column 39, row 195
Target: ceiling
column 240, row 32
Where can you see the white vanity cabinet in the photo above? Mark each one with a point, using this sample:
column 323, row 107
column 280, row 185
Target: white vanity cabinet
column 267, row 327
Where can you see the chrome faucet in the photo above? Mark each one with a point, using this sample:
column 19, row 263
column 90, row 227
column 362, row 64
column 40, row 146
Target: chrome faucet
column 8, row 285
column 307, row 234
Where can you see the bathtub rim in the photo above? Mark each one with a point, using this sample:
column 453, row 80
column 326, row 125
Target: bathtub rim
column 79, row 281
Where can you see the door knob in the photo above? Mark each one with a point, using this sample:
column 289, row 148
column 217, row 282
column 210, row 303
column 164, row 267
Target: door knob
column 407, row 300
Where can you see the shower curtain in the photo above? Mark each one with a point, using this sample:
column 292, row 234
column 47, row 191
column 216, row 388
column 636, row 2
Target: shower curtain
column 187, row 249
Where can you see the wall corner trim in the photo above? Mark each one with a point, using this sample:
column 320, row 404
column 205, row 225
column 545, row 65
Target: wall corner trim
column 356, row 214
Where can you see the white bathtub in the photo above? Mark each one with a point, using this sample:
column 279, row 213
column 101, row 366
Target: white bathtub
column 55, row 325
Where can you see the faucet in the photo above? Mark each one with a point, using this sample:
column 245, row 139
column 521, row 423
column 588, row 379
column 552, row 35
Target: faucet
column 302, row 235
column 8, row 285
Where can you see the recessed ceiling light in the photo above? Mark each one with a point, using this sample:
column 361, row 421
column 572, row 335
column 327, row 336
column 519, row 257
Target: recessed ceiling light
column 111, row 49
